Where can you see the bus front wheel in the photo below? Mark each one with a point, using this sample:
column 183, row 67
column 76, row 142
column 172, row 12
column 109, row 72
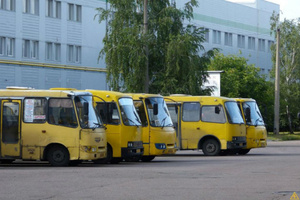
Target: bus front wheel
column 58, row 156
column 211, row 147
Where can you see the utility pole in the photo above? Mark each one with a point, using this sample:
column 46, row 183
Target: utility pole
column 277, row 87
column 146, row 86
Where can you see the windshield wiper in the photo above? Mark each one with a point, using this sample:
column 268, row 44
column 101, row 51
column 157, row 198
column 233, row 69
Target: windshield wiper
column 163, row 122
column 132, row 122
column 256, row 121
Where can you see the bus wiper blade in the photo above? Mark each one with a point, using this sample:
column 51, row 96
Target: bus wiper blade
column 133, row 122
column 163, row 122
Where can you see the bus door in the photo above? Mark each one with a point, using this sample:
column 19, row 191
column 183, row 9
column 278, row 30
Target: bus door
column 175, row 112
column 141, row 110
column 190, row 125
column 10, row 128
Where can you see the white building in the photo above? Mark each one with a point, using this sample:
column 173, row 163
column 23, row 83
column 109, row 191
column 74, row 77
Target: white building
column 236, row 26
column 52, row 43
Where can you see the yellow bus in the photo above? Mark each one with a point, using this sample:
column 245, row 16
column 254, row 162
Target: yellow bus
column 213, row 124
column 123, row 126
column 255, row 126
column 157, row 127
column 61, row 127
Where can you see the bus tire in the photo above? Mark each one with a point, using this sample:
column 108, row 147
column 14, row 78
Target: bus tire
column 147, row 158
column 6, row 161
column 58, row 156
column 211, row 147
column 243, row 151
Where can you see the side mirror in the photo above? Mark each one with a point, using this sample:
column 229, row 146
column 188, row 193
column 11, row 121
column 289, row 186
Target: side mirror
column 155, row 108
column 247, row 115
column 86, row 108
column 217, row 110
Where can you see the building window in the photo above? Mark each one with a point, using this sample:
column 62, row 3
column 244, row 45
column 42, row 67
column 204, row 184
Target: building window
column 74, row 12
column 57, row 51
column 251, row 43
column 261, row 44
column 31, row 7
column 53, row 8
column 7, row 46
column 228, row 39
column 241, row 41
column 53, row 51
column 74, row 53
column 270, row 43
column 216, row 37
column 30, row 49
column 206, row 36
column 8, row 5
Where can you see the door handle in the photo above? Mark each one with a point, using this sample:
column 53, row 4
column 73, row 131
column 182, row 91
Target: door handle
column 198, row 128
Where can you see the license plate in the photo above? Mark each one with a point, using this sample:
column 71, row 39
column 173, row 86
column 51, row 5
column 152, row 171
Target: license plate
column 138, row 150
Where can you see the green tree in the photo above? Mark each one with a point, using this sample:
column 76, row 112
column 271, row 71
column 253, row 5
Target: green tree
column 289, row 56
column 240, row 79
column 175, row 64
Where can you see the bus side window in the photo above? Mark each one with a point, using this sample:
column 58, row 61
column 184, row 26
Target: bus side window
column 61, row 112
column 191, row 112
column 35, row 110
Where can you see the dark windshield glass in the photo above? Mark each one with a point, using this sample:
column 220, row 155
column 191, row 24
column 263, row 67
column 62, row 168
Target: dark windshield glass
column 256, row 117
column 129, row 115
column 162, row 117
column 233, row 113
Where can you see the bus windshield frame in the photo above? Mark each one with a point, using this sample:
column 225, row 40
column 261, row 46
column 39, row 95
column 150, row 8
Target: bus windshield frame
column 129, row 114
column 162, row 118
column 88, row 119
column 256, row 117
column 234, row 115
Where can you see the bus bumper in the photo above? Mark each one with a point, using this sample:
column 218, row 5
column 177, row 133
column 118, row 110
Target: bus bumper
column 133, row 149
column 132, row 152
column 237, row 143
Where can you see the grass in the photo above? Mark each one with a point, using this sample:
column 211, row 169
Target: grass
column 283, row 136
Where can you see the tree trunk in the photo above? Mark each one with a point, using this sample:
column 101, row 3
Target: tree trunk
column 289, row 120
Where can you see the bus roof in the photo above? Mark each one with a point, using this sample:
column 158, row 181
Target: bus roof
column 137, row 96
column 188, row 98
column 108, row 95
column 39, row 93
column 244, row 99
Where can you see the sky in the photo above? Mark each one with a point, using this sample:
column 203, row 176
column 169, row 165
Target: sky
column 289, row 8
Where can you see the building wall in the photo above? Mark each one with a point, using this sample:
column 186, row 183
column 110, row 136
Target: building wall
column 86, row 34
column 249, row 20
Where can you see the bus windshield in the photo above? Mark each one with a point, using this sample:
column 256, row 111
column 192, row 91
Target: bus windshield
column 162, row 117
column 256, row 117
column 233, row 113
column 86, row 113
column 129, row 115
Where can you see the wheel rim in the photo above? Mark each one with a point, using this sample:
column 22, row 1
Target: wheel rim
column 210, row 148
column 58, row 156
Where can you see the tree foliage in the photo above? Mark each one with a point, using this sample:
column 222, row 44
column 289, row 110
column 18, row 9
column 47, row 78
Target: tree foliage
column 175, row 64
column 240, row 79
column 289, row 56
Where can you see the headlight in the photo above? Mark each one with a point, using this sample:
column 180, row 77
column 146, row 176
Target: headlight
column 89, row 149
column 130, row 144
column 160, row 146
